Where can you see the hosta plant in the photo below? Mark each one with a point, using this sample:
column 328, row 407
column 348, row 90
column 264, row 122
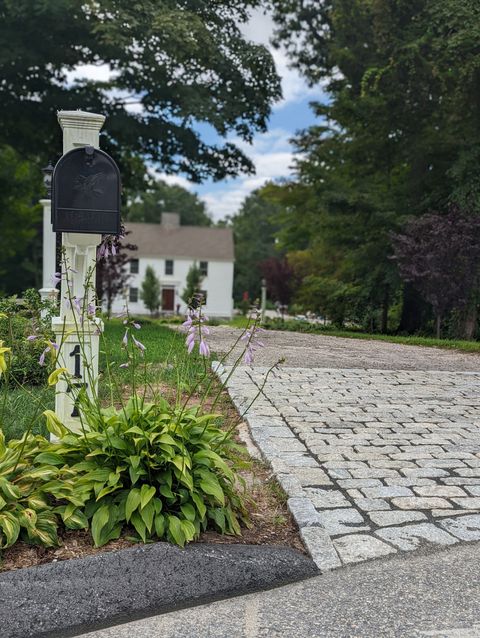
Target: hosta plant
column 25, row 507
column 162, row 472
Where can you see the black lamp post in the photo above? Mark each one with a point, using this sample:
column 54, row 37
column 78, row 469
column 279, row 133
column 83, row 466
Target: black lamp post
column 47, row 178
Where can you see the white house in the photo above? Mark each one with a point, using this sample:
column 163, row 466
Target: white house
column 171, row 249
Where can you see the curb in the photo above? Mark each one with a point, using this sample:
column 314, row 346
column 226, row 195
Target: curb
column 69, row 598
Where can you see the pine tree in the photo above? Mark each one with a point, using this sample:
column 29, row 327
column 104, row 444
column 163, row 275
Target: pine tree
column 150, row 292
column 194, row 281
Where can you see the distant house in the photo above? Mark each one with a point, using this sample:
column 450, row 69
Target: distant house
column 171, row 249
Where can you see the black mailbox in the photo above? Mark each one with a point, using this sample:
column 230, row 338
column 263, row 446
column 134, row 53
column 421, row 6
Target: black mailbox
column 86, row 193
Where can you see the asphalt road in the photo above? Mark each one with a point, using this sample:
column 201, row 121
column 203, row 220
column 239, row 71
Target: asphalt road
column 322, row 351
column 435, row 593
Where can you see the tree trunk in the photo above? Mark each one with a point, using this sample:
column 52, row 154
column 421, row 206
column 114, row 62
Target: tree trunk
column 413, row 311
column 470, row 323
column 385, row 307
column 439, row 326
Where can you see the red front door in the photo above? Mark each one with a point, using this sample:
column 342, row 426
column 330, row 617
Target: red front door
column 168, row 299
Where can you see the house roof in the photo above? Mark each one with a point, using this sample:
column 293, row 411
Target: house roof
column 194, row 242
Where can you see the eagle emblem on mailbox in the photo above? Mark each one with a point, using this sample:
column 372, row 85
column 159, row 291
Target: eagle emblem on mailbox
column 86, row 193
column 88, row 184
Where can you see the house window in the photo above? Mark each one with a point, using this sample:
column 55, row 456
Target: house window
column 204, row 296
column 133, row 295
column 204, row 268
column 169, row 266
column 134, row 266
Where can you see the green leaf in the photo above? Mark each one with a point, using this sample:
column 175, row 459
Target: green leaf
column 99, row 521
column 147, row 513
column 189, row 530
column 49, row 458
column 218, row 516
column 77, row 520
column 160, row 525
column 133, row 501
column 3, row 447
column 176, row 530
column 54, row 425
column 146, row 494
column 139, row 525
column 27, row 518
column 11, row 529
column 200, row 505
column 3, row 502
column 10, row 491
column 188, row 511
column 117, row 442
column 212, row 487
column 45, row 531
column 45, row 473
column 166, row 491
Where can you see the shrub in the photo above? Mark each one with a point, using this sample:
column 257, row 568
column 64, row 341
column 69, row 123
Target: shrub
column 18, row 320
column 164, row 472
column 24, row 368
column 25, row 509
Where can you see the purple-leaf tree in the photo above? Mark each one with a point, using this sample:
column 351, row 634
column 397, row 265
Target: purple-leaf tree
column 279, row 276
column 112, row 274
column 439, row 255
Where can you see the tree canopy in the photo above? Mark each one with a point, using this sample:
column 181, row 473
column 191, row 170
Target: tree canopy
column 177, row 80
column 254, row 227
column 397, row 136
column 176, row 66
column 157, row 197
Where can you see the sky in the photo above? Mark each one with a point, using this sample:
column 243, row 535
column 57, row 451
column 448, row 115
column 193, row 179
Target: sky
column 271, row 152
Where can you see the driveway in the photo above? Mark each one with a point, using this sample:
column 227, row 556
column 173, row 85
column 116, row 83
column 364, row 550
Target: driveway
column 377, row 445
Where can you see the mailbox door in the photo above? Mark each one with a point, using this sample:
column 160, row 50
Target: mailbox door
column 86, row 193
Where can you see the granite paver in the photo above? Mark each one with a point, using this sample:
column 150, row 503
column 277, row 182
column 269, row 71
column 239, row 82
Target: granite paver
column 373, row 461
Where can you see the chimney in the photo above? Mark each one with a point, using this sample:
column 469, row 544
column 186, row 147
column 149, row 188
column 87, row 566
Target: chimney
column 170, row 221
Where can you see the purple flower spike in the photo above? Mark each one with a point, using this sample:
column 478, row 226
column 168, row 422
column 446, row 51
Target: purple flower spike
column 56, row 278
column 78, row 304
column 32, row 337
column 41, row 361
column 91, row 309
column 136, row 325
column 139, row 345
column 123, row 365
column 204, row 349
column 191, row 346
column 125, row 339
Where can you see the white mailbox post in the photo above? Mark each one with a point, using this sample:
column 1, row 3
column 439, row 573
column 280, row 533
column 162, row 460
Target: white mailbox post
column 79, row 129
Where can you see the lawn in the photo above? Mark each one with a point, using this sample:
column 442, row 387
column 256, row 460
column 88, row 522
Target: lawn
column 166, row 362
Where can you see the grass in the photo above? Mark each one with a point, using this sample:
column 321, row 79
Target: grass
column 308, row 328
column 22, row 407
column 165, row 359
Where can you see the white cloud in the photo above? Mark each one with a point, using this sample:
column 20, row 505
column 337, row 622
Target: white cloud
column 260, row 29
column 99, row 73
column 273, row 158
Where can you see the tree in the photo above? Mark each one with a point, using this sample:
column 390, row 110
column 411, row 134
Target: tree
column 254, row 227
column 279, row 276
column 20, row 223
column 148, row 204
column 193, row 283
column 439, row 255
column 150, row 292
column 112, row 275
column 172, row 67
column 397, row 137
